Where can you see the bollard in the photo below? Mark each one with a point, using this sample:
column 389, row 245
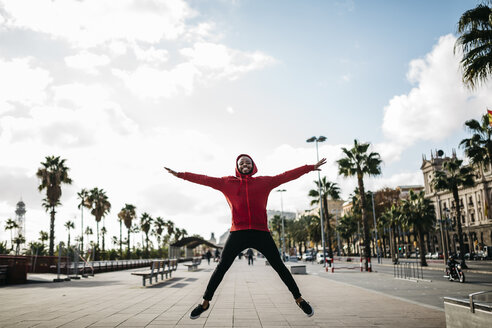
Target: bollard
column 332, row 265
column 361, row 264
column 369, row 269
column 57, row 279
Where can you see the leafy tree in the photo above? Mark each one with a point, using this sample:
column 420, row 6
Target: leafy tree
column 358, row 162
column 347, row 227
column 43, row 236
column 52, row 175
column 83, row 196
column 328, row 190
column 99, row 205
column 159, row 225
column 475, row 41
column 127, row 214
column 11, row 225
column 69, row 225
column 452, row 177
column 276, row 226
column 145, row 225
column 18, row 240
column 419, row 214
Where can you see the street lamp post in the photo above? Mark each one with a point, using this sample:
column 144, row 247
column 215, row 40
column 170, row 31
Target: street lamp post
column 375, row 227
column 282, row 217
column 320, row 139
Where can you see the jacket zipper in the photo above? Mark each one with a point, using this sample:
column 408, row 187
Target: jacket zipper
column 247, row 202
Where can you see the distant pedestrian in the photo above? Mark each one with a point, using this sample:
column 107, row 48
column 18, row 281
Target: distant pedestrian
column 208, row 255
column 250, row 254
column 247, row 197
column 217, row 255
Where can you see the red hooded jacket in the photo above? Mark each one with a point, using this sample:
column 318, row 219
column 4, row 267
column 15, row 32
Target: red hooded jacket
column 247, row 195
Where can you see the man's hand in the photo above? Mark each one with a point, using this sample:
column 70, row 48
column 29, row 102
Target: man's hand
column 317, row 165
column 171, row 171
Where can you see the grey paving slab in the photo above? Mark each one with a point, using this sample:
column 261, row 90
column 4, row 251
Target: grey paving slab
column 249, row 296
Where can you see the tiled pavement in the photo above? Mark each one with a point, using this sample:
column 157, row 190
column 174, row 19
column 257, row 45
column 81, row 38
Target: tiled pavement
column 249, row 296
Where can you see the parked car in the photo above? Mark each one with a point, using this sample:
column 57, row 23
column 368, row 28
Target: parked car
column 436, row 256
column 308, row 256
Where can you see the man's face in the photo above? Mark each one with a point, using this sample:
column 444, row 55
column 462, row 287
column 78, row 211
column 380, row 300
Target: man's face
column 244, row 164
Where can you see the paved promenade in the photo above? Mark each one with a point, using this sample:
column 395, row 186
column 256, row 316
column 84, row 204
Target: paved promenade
column 249, row 296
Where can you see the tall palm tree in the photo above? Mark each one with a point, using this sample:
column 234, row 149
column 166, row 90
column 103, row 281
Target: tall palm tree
column 83, row 198
column 475, row 41
column 452, row 177
column 419, row 213
column 100, row 206
column 145, row 224
column 347, row 227
column 103, row 233
column 358, row 162
column 52, row 174
column 69, row 225
column 392, row 218
column 328, row 190
column 88, row 232
column 11, row 225
column 127, row 214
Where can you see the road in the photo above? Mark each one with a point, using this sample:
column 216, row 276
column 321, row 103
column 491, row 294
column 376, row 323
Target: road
column 429, row 292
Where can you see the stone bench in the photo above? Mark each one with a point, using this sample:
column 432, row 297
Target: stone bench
column 297, row 268
column 195, row 262
column 473, row 312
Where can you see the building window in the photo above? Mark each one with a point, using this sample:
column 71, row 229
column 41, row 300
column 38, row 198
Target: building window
column 472, row 216
column 470, row 201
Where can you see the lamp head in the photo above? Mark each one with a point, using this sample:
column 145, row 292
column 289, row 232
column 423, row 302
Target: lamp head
column 312, row 139
column 321, row 138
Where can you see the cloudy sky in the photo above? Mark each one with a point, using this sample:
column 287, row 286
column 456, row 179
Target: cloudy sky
column 122, row 88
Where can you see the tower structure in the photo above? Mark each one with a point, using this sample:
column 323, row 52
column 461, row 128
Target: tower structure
column 20, row 218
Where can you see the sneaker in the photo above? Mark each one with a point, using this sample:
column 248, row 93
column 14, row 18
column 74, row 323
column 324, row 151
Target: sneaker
column 306, row 308
column 195, row 314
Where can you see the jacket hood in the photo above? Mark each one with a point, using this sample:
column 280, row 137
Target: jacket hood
column 253, row 171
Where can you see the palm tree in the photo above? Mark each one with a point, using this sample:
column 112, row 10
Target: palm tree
column 69, row 225
column 18, row 241
column 11, row 225
column 475, row 27
column 43, row 236
column 159, row 225
column 347, row 227
column 82, row 196
column 88, row 232
column 52, row 174
column 392, row 218
column 478, row 148
column 98, row 202
column 328, row 189
column 358, row 162
column 418, row 213
column 454, row 176
column 276, row 226
column 103, row 233
column 127, row 214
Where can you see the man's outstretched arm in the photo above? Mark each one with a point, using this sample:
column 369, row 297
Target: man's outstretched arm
column 205, row 180
column 295, row 173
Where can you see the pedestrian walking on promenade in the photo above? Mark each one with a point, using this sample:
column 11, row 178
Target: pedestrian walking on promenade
column 247, row 197
column 217, row 255
column 208, row 255
column 249, row 253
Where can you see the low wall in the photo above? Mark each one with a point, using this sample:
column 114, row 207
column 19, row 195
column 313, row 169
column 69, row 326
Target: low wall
column 458, row 314
column 16, row 268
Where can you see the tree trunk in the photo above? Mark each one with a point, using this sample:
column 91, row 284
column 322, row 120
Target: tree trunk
column 52, row 231
column 327, row 224
column 460, row 230
column 121, row 241
column 423, row 262
column 128, row 250
column 365, row 223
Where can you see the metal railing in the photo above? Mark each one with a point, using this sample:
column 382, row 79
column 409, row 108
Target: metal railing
column 408, row 270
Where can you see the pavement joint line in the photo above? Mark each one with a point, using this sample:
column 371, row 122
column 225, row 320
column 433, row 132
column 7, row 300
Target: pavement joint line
column 389, row 295
column 443, row 268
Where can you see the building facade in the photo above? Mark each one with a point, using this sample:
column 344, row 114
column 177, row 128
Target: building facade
column 476, row 218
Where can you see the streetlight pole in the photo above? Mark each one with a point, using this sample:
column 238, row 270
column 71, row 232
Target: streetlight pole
column 375, row 226
column 320, row 139
column 283, row 226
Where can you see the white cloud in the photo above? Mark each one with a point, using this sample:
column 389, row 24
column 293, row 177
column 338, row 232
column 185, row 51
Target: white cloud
column 87, row 61
column 219, row 61
column 230, row 110
column 437, row 106
column 151, row 54
column 94, row 22
column 22, row 83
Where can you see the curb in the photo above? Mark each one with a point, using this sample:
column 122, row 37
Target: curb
column 442, row 269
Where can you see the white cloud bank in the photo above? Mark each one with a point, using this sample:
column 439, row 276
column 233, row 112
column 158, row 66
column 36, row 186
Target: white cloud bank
column 436, row 107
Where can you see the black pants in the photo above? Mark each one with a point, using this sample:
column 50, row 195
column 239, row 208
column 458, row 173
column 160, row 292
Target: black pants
column 261, row 241
column 250, row 259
